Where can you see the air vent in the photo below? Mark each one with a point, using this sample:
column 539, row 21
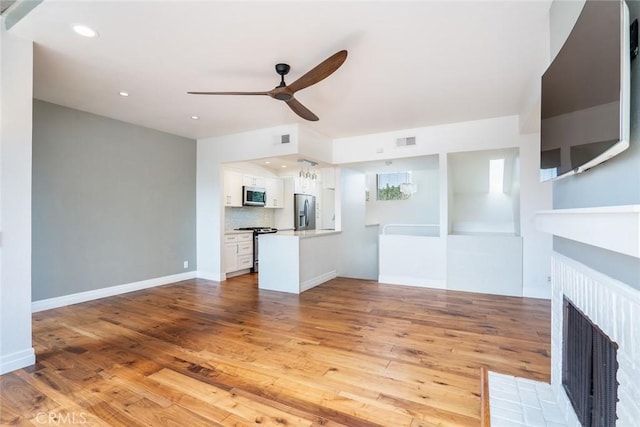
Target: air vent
column 405, row 142
column 285, row 139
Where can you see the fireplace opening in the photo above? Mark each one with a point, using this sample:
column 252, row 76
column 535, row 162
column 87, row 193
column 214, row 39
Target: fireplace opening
column 589, row 368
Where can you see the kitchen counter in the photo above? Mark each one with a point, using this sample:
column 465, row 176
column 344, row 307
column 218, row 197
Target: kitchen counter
column 238, row 232
column 295, row 261
column 308, row 233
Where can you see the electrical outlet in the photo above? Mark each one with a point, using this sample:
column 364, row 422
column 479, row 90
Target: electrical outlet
column 186, row 264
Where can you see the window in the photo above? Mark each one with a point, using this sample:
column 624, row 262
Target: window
column 394, row 186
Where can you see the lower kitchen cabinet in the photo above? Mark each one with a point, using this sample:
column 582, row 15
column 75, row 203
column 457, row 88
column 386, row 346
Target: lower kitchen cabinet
column 238, row 252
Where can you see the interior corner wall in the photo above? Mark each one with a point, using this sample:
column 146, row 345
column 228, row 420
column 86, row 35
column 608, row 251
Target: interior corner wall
column 113, row 203
column 16, row 77
column 616, row 182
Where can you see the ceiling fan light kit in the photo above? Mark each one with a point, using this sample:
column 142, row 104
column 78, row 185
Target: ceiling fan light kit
column 284, row 92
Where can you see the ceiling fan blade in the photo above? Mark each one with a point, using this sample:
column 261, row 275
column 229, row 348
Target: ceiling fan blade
column 320, row 71
column 228, row 93
column 301, row 110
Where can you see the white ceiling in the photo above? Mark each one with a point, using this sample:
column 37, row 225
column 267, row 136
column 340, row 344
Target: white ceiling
column 410, row 64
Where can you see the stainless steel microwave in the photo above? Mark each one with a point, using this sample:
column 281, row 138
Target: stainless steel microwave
column 254, row 196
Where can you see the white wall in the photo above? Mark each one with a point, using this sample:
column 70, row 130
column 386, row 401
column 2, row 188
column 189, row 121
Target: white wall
column 502, row 132
column 314, row 145
column 358, row 247
column 562, row 17
column 16, row 77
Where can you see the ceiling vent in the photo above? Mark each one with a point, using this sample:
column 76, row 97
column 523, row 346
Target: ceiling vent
column 405, row 142
column 285, row 139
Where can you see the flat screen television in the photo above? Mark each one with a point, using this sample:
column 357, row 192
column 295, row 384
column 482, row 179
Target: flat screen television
column 585, row 93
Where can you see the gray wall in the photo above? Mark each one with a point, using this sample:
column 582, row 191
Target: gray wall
column 113, row 203
column 616, row 182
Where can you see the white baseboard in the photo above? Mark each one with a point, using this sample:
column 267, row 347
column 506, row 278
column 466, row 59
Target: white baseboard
column 19, row 359
column 417, row 282
column 236, row 273
column 216, row 277
column 315, row 281
column 47, row 304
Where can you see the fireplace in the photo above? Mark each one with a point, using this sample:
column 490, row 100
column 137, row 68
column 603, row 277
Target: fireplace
column 589, row 369
column 604, row 314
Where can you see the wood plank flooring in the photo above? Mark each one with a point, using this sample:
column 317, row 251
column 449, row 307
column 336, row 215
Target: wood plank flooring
column 346, row 353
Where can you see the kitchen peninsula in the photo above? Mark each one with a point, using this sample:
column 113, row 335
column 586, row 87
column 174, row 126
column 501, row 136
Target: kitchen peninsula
column 295, row 261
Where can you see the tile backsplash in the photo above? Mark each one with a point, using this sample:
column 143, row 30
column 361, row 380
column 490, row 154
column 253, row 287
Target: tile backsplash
column 248, row 217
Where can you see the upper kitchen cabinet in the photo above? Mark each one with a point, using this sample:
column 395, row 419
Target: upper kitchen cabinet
column 233, row 182
column 253, row 181
column 328, row 177
column 275, row 192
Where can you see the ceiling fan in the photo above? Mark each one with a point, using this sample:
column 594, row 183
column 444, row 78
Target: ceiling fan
column 284, row 92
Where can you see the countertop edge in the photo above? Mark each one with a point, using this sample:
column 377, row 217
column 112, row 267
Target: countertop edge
column 304, row 234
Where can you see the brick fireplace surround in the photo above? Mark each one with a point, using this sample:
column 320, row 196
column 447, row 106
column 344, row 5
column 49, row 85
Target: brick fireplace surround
column 611, row 305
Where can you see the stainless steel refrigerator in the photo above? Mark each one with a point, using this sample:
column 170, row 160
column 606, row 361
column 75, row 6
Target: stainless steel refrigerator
column 304, row 208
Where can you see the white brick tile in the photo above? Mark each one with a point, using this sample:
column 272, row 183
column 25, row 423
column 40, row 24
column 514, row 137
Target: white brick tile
column 498, row 394
column 513, row 416
column 552, row 412
column 499, row 405
column 501, row 422
column 530, row 398
column 502, row 387
column 534, row 417
column 546, row 395
column 525, row 384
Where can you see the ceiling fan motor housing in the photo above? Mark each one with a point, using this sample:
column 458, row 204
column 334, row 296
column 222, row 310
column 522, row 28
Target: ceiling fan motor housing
column 282, row 69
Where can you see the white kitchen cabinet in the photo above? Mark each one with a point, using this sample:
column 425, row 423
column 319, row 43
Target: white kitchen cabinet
column 328, row 177
column 305, row 186
column 238, row 252
column 252, row 181
column 230, row 257
column 232, row 188
column 275, row 192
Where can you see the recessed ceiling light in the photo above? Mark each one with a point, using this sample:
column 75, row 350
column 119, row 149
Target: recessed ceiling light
column 284, row 166
column 84, row 30
column 123, row 93
column 195, row 117
column 267, row 162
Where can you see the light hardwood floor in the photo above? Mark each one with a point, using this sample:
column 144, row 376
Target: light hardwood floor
column 349, row 352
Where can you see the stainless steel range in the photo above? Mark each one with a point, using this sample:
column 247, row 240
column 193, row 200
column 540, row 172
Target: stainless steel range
column 256, row 232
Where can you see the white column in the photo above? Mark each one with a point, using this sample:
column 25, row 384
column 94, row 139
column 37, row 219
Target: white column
column 16, row 94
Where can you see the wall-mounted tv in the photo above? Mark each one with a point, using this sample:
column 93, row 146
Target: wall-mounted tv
column 585, row 93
